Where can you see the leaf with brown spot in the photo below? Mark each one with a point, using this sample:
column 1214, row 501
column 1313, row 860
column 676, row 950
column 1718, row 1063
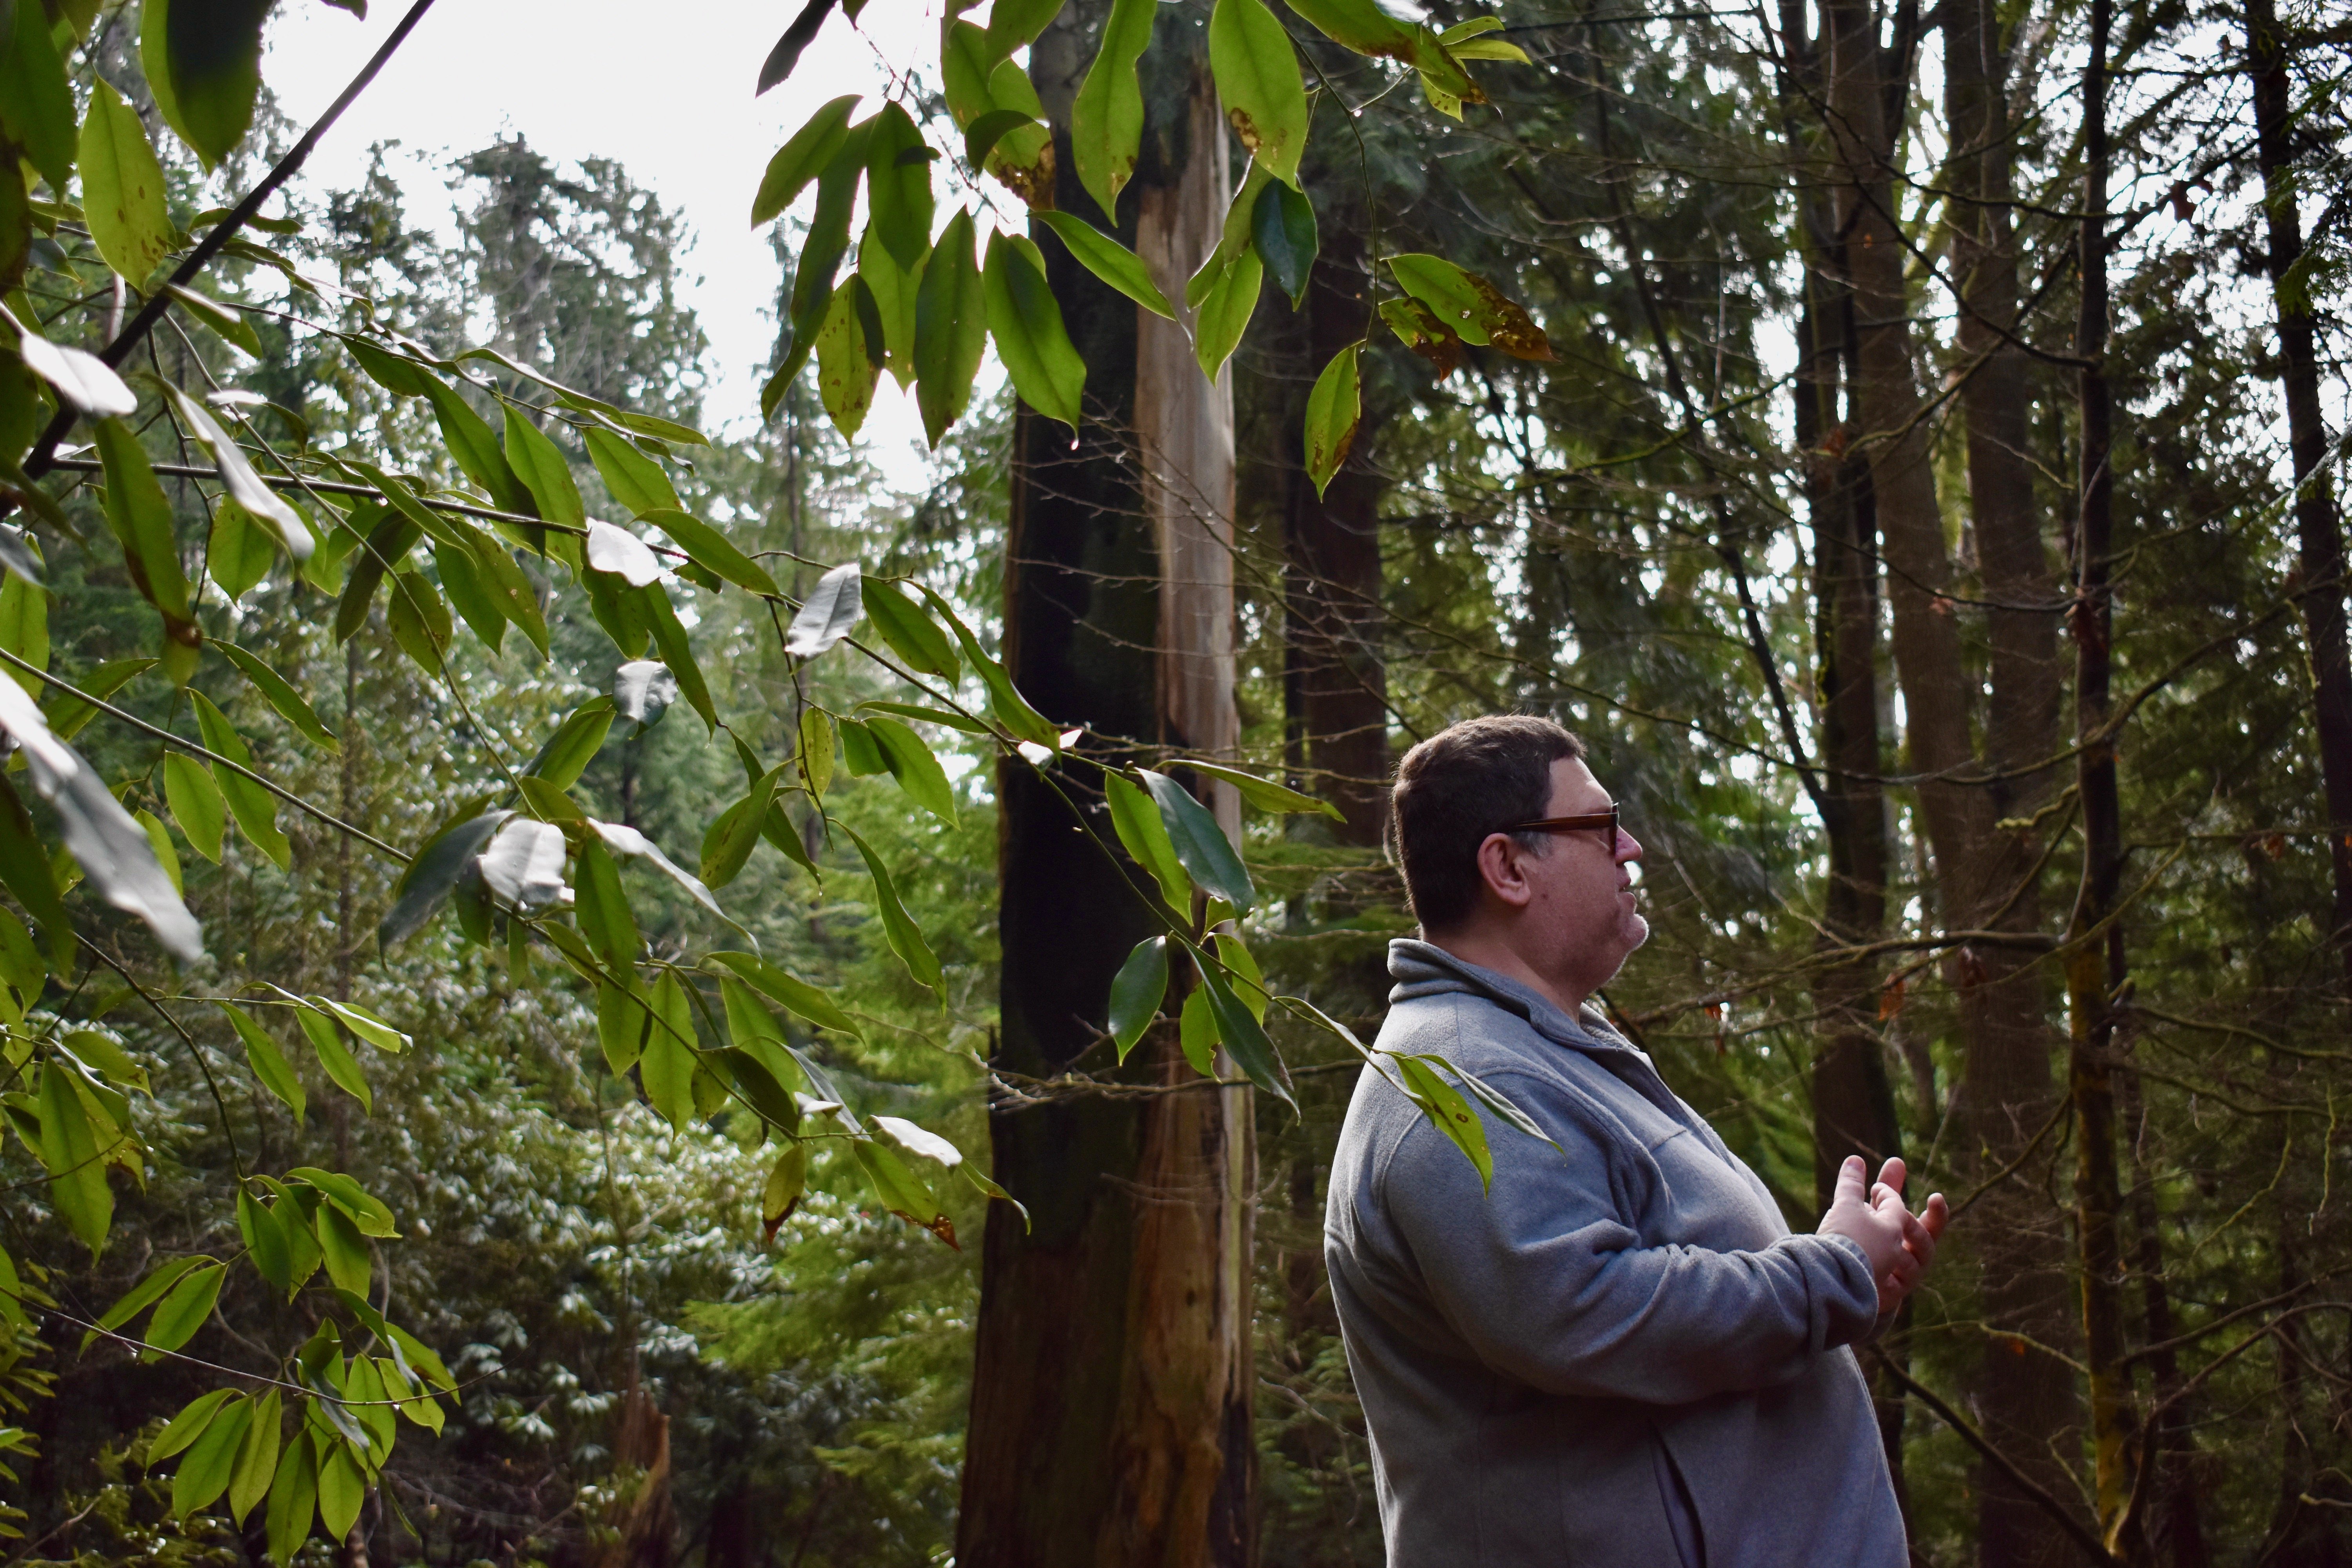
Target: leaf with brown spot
column 1420, row 330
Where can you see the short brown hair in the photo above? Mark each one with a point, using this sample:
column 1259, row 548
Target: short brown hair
column 1457, row 787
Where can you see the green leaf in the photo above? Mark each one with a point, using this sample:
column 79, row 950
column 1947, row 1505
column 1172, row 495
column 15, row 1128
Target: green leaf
column 951, row 329
column 461, row 579
column 204, row 1473
column 1004, row 699
column 1144, row 835
column 183, row 1311
column 141, row 1296
column 254, row 808
column 343, row 1488
column 1196, row 1032
column 861, row 755
column 962, row 722
column 1258, row 80
column 540, row 465
column 20, row 961
column 1244, row 1036
column 106, row 1060
column 334, row 1057
column 25, row 866
column 196, row 805
column 1361, row 26
column 191, row 1422
column 795, row 996
column 1026, row 323
column 1282, row 228
column 510, row 589
column 257, row 1459
column 281, row 696
column 1470, row 307
column 816, row 750
column 1248, row 980
column 621, row 1020
column 229, row 324
column 364, row 1024
column 666, row 1070
column 293, row 1497
column 845, row 371
column 574, row 744
column 1444, row 1105
column 912, row 634
column 370, row 1216
column 122, row 187
column 1107, row 117
column 918, row 771
column 429, row 878
column 387, row 545
column 828, row 613
column 901, row 1191
column 396, row 372
column 70, row 1149
column 1108, row 259
column 1200, row 843
column 787, row 1181
column 418, row 620
column 68, row 715
column 707, row 547
column 1334, row 410
column 36, row 108
column 827, row 243
column 802, row 158
column 1137, row 991
column 1263, row 792
column 346, row 1251
column 203, row 63
column 25, row 627
column 906, row 938
column 1225, row 308
column 291, row 1211
column 634, row 480
column 269, row 1065
column 670, row 636
column 898, row 185
column 473, row 446
column 731, row 838
column 140, row 516
column 892, row 289
column 265, row 1242
column 601, row 907
column 757, row 1085
column 980, row 137
column 1015, row 24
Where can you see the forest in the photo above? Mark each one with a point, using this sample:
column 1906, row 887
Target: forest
column 1902, row 441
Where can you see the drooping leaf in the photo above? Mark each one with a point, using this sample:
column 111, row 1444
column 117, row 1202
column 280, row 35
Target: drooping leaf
column 266, row 1244
column 364, row 1024
column 1107, row 117
column 576, row 743
column 827, row 243
column 736, row 832
column 905, row 937
column 181, row 1312
column 197, row 804
column 912, row 634
column 539, row 464
column 293, row 1496
column 280, row 693
column 254, row 808
column 1137, row 991
column 136, row 1299
column 1224, row 310
column 624, row 840
column 634, row 480
column 257, row 1459
column 901, row 1191
column 1282, row 228
column 269, row 1065
column 205, row 1471
column 845, row 371
column 861, row 755
column 342, row 1488
column 828, row 613
column 621, row 1020
column 787, row 1181
column 950, row 328
column 140, row 516
column 898, row 185
column 1026, row 323
column 1109, row 260
column 36, row 108
column 84, row 380
column 787, row 52
column 191, row 1422
column 418, row 619
column 1200, row 843
column 816, row 750
column 1258, row 80
column 334, row 1057
column 429, row 878
column 70, row 1149
column 1004, row 699
column 122, row 187
column 892, row 289
column 802, row 158
column 1015, row 24
column 1470, row 307
column 602, row 908
column 1263, row 792
column 669, row 638
column 708, row 548
column 794, row 994
column 1243, row 1036
column 236, row 476
column 1141, row 831
column 203, row 63
column 1444, row 1105
column 26, row 867
column 918, row 771
column 666, row 1069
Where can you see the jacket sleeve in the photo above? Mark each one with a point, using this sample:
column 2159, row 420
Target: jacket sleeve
column 1546, row 1283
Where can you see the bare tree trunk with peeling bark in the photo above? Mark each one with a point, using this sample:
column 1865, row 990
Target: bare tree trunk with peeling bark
column 1111, row 1391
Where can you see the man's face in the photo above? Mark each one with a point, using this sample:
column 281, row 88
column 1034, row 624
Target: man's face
column 1582, row 917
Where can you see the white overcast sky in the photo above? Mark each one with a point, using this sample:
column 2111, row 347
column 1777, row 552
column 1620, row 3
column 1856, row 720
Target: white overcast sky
column 665, row 91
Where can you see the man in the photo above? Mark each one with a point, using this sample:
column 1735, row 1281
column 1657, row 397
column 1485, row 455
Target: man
column 1619, row 1357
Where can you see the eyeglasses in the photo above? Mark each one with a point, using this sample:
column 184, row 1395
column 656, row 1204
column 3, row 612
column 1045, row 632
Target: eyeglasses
column 1591, row 821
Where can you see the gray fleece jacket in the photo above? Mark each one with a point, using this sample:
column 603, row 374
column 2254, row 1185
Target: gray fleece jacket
column 1621, row 1358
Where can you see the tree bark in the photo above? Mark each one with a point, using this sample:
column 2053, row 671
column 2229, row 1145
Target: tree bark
column 1111, row 1416
column 2319, row 534
column 2024, row 1395
column 2094, row 946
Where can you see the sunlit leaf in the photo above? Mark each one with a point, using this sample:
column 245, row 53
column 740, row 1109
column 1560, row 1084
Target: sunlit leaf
column 1026, row 323
column 1108, row 261
column 951, row 329
column 1107, row 117
column 1206, row 853
column 1137, row 991
column 122, row 186
column 254, row 808
column 203, row 63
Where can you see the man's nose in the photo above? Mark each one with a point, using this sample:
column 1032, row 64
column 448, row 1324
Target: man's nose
column 1629, row 847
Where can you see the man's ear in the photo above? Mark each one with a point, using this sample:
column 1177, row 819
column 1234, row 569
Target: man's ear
column 1501, row 869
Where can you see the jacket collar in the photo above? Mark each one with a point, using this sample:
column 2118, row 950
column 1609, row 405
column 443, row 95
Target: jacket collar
column 1425, row 968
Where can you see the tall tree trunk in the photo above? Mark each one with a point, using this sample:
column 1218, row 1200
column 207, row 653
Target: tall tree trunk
column 2024, row 1395
column 2095, row 950
column 2318, row 533
column 1111, row 1416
